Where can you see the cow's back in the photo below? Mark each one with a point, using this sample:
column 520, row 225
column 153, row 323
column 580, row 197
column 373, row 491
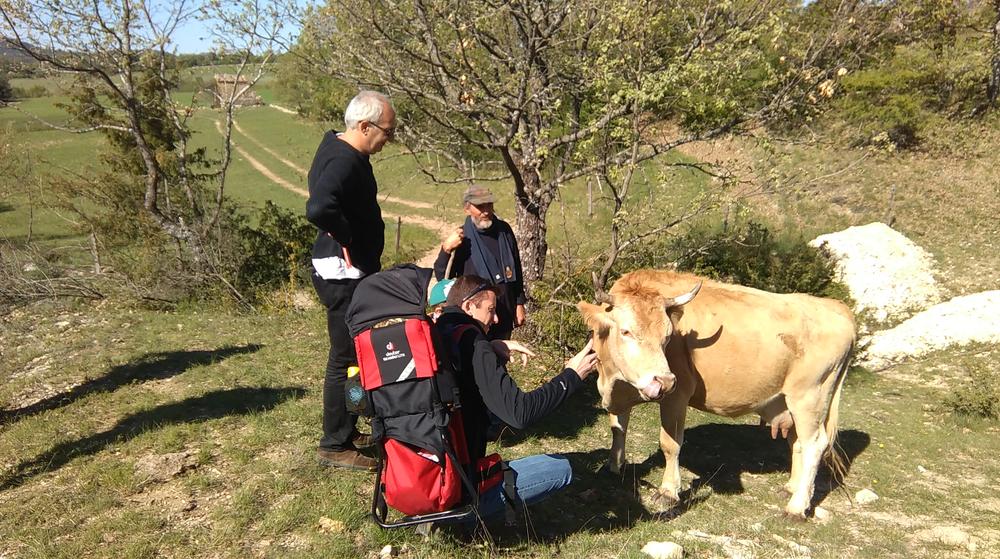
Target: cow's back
column 741, row 346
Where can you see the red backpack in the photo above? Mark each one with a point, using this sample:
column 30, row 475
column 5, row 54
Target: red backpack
column 424, row 470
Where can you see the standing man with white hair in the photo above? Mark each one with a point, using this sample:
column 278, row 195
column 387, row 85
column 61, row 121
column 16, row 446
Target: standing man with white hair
column 343, row 206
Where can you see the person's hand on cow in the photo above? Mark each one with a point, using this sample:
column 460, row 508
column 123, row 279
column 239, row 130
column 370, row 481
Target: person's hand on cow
column 453, row 241
column 504, row 348
column 584, row 362
column 519, row 316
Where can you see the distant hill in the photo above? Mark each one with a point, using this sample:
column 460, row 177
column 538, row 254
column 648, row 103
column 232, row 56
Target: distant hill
column 12, row 54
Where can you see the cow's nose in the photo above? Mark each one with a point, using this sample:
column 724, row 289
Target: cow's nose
column 668, row 382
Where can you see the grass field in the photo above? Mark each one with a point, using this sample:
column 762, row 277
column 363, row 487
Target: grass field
column 126, row 432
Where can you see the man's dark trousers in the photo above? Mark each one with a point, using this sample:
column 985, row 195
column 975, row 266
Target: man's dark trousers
column 338, row 425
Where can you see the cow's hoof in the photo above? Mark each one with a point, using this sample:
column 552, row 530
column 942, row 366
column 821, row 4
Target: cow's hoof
column 797, row 517
column 665, row 501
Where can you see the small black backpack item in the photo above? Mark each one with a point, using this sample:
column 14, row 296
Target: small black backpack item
column 423, row 464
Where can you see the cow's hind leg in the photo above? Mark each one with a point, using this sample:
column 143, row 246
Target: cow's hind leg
column 672, row 414
column 810, row 442
column 619, row 427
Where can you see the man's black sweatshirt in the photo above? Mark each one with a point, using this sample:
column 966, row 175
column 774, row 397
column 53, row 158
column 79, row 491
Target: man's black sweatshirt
column 343, row 204
column 485, row 386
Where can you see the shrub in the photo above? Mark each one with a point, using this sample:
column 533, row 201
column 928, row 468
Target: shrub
column 31, row 92
column 752, row 256
column 979, row 394
column 275, row 251
column 6, row 91
column 554, row 325
column 894, row 104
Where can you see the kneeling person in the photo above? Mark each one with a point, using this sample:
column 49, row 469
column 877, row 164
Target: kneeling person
column 486, row 387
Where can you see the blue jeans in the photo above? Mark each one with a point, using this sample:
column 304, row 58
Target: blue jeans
column 537, row 477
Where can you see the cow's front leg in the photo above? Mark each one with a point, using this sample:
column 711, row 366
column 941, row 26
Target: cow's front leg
column 619, row 427
column 795, row 452
column 672, row 415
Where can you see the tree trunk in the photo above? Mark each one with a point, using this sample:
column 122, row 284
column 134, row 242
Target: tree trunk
column 993, row 90
column 530, row 211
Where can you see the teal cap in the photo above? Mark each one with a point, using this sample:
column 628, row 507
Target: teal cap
column 439, row 293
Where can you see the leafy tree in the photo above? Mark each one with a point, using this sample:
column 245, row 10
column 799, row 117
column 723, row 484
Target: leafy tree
column 545, row 92
column 155, row 185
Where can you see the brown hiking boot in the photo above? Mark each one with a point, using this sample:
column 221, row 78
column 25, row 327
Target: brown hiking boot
column 362, row 440
column 350, row 459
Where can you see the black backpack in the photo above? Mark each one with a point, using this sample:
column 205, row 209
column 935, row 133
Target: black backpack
column 423, row 470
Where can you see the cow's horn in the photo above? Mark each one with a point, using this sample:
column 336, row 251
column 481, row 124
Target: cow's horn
column 602, row 297
column 686, row 298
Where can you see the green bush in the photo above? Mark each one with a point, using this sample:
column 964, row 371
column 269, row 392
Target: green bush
column 554, row 325
column 6, row 92
column 30, row 92
column 753, row 257
column 979, row 394
column 275, row 251
column 892, row 105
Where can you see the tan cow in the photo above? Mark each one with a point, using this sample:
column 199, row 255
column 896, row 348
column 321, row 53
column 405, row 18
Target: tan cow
column 725, row 349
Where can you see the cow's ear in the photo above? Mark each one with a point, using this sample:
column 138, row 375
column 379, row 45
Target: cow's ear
column 596, row 318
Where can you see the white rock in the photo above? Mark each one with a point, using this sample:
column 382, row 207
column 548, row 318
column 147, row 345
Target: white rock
column 887, row 274
column 663, row 550
column 387, row 552
column 962, row 320
column 865, row 496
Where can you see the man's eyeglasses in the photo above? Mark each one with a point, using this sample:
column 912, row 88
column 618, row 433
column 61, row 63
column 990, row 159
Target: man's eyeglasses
column 389, row 132
column 479, row 289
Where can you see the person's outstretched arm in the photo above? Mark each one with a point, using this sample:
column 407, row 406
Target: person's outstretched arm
column 518, row 408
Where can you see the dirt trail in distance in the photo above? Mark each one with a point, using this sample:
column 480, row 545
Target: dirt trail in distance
column 440, row 227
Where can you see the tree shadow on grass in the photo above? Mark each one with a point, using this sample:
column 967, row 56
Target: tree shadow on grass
column 718, row 454
column 152, row 366
column 214, row 405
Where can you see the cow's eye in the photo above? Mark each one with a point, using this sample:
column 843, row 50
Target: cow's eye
column 627, row 333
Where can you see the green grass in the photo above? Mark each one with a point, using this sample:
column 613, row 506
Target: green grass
column 241, row 395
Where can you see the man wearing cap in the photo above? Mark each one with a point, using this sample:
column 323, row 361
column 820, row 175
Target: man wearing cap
column 343, row 206
column 485, row 246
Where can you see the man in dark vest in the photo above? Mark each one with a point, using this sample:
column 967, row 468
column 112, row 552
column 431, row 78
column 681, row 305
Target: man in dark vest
column 343, row 206
column 485, row 246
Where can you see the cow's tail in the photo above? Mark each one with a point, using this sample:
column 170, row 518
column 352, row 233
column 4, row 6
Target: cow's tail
column 835, row 455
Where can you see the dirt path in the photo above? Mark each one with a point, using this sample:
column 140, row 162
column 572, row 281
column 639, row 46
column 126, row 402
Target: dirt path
column 438, row 226
column 281, row 109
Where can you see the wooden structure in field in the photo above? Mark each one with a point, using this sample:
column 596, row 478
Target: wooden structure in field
column 228, row 86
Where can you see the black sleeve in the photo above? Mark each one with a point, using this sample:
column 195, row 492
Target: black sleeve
column 325, row 208
column 505, row 399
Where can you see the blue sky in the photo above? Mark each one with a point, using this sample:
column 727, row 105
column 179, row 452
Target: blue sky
column 195, row 36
